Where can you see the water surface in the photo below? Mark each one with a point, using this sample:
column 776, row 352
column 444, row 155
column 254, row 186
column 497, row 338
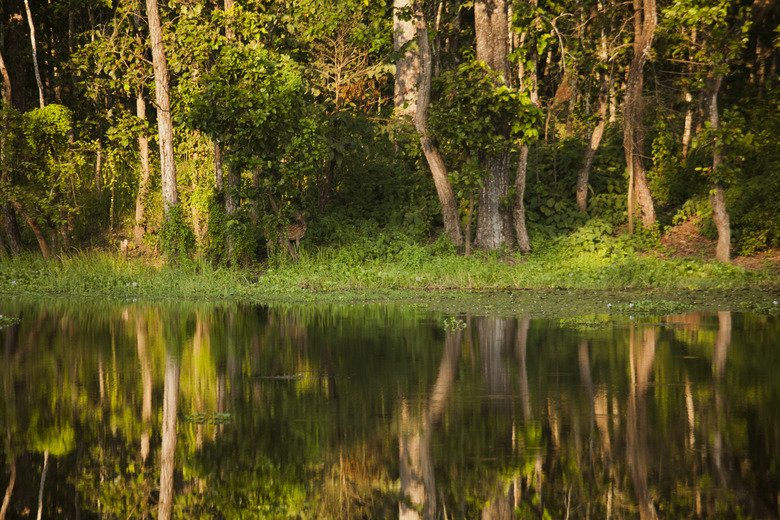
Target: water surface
column 124, row 409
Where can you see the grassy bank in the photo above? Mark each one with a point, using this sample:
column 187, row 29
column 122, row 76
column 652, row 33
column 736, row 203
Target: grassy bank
column 421, row 275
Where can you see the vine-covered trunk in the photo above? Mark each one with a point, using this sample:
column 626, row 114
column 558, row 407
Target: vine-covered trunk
column 449, row 204
column 645, row 21
column 494, row 218
column 164, row 121
column 717, row 199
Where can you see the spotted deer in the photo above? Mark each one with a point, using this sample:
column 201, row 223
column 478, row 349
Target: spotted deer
column 292, row 233
column 296, row 230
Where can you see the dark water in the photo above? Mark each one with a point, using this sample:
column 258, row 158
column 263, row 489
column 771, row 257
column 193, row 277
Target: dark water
column 113, row 410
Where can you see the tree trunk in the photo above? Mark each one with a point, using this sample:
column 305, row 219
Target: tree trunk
column 143, row 181
column 231, row 205
column 43, row 481
column 494, row 218
column 9, row 216
column 407, row 69
column 642, row 359
column 45, row 249
column 142, row 340
column 219, row 172
column 9, row 489
column 164, row 122
column 598, row 132
column 717, row 199
column 34, row 53
column 521, row 230
column 168, row 451
column 645, row 21
column 449, row 205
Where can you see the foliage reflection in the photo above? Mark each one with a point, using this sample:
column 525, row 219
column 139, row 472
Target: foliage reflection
column 193, row 410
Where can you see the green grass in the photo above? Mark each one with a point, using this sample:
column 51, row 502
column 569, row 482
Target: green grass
column 413, row 273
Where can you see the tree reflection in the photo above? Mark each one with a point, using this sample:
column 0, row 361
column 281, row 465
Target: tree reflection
column 674, row 417
column 168, row 452
column 642, row 357
column 416, row 465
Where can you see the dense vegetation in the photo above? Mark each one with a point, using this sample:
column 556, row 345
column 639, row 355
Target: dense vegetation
column 286, row 107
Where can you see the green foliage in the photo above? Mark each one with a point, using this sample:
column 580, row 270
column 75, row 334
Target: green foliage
column 176, row 237
column 476, row 113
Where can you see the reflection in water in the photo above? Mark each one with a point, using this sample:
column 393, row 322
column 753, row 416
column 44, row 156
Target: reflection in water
column 379, row 412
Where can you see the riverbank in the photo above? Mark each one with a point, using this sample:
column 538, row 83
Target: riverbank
column 535, row 285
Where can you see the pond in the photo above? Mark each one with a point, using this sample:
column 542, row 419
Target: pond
column 188, row 410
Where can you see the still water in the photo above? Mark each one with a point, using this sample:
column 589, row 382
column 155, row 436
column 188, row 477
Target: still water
column 132, row 410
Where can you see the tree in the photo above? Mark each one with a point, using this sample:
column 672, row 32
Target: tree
column 645, row 22
column 249, row 103
column 721, row 30
column 494, row 220
column 164, row 120
column 417, row 68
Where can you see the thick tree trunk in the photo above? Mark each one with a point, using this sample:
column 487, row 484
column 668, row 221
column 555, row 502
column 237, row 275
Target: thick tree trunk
column 449, row 205
column 164, row 122
column 494, row 219
column 717, row 199
column 168, row 451
column 12, row 229
column 642, row 359
column 418, row 480
column 143, row 181
column 9, row 216
column 407, row 69
column 645, row 21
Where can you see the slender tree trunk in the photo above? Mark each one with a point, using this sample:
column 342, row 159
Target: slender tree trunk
column 45, row 249
column 583, row 175
column 34, row 53
column 43, row 482
column 9, row 490
column 231, row 206
column 143, row 181
column 717, row 198
column 164, row 122
column 521, row 230
column 494, row 218
column 449, row 205
column 233, row 183
column 168, row 451
column 142, row 340
column 219, row 171
column 526, row 79
column 645, row 21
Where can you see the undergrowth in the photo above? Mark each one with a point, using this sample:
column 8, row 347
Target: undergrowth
column 387, row 263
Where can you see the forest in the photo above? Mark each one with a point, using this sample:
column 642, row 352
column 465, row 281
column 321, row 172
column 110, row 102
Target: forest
column 238, row 131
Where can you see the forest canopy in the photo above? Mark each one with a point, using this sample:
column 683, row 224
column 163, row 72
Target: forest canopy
column 496, row 124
